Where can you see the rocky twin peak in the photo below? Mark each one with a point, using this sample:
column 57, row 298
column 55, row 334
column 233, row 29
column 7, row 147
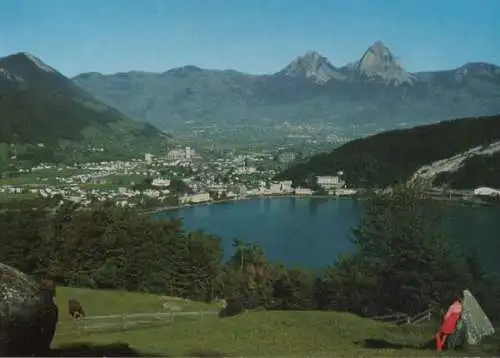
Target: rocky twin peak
column 376, row 64
column 313, row 66
column 379, row 63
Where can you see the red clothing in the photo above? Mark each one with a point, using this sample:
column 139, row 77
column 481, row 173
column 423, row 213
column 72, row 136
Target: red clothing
column 451, row 318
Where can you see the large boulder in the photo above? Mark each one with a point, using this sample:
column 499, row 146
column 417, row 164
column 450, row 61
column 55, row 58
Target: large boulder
column 20, row 310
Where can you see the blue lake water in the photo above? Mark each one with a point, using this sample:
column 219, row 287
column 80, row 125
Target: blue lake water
column 313, row 232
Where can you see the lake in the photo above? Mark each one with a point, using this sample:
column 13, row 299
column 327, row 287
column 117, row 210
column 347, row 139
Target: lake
column 313, row 232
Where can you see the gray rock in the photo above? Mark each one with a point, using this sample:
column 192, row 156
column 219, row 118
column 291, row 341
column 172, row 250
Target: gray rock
column 20, row 307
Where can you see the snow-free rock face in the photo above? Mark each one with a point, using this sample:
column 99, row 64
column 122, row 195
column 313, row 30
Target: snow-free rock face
column 38, row 63
column 314, row 67
column 448, row 165
column 379, row 63
column 19, row 311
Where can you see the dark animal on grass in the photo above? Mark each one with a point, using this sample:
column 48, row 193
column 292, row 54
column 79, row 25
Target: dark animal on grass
column 233, row 307
column 76, row 309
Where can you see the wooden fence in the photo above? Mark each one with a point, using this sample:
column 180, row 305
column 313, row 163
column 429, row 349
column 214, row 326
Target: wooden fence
column 403, row 318
column 118, row 322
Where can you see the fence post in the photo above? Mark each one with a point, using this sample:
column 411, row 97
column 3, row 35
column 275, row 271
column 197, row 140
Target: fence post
column 124, row 321
column 78, row 327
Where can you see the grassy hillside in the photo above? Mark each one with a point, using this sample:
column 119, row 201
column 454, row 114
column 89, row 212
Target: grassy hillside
column 389, row 157
column 102, row 302
column 265, row 333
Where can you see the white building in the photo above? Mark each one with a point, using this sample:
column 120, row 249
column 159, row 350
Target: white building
column 274, row 188
column 148, row 158
column 286, row 186
column 345, row 192
column 286, row 157
column 161, row 182
column 303, row 191
column 188, row 152
column 484, row 191
column 329, row 182
column 195, row 198
column 176, row 154
column 245, row 170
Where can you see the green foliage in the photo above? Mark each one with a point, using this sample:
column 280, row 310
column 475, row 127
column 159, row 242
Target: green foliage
column 32, row 117
column 179, row 187
column 374, row 161
column 402, row 245
column 109, row 247
column 294, row 289
column 144, row 184
column 476, row 171
column 403, row 262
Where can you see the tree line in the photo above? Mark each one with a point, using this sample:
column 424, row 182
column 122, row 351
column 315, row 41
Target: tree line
column 403, row 261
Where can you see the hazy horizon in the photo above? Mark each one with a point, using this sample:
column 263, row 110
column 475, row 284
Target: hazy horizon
column 256, row 37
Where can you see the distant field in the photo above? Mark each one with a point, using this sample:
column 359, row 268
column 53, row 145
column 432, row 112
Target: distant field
column 49, row 176
column 46, row 176
column 286, row 333
column 5, row 197
column 114, row 181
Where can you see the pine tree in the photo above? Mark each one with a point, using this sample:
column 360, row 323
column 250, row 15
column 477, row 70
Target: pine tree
column 402, row 245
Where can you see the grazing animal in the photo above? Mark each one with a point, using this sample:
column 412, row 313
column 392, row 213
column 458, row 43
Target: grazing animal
column 76, row 309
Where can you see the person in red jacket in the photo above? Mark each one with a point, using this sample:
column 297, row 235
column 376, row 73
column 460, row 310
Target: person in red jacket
column 449, row 323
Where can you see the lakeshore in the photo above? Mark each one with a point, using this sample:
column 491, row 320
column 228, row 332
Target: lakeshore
column 246, row 198
column 462, row 197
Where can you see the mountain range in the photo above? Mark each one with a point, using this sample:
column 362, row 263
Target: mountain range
column 372, row 91
column 41, row 108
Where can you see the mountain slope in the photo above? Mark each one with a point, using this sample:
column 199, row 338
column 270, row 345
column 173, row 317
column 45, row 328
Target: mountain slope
column 464, row 153
column 374, row 90
column 39, row 106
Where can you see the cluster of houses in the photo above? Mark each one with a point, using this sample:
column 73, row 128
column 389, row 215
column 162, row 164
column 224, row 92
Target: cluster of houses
column 333, row 185
column 230, row 177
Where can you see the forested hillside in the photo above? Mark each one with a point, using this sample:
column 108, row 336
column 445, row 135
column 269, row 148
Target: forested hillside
column 391, row 157
column 46, row 117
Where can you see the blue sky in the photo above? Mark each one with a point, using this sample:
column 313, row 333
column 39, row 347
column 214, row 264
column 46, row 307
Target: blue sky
column 255, row 36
